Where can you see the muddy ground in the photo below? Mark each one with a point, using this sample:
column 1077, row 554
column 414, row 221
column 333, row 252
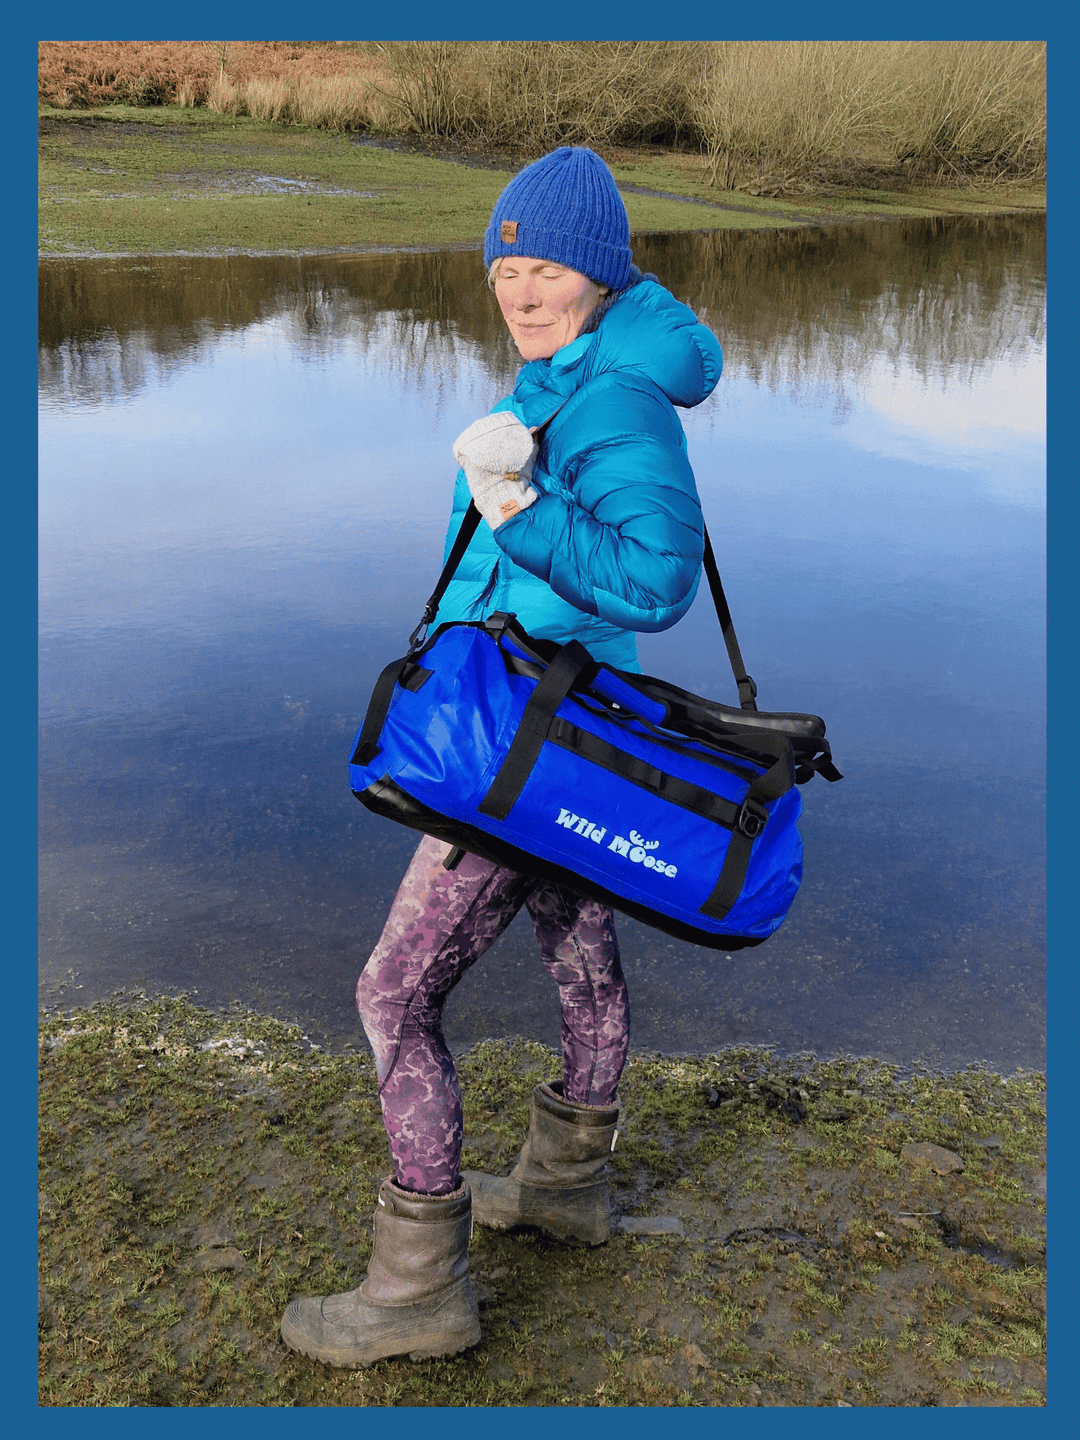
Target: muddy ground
column 199, row 1170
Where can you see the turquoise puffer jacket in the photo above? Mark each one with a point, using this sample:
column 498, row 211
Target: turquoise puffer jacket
column 613, row 544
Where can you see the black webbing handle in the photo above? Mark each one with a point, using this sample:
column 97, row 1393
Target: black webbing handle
column 551, row 690
column 749, row 823
column 367, row 742
column 747, row 688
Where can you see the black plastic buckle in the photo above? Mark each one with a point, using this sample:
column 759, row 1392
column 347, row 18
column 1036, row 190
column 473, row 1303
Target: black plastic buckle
column 419, row 635
column 498, row 622
column 751, row 819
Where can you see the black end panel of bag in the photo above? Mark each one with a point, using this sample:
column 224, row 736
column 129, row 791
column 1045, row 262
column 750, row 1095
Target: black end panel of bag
column 387, row 799
column 701, row 719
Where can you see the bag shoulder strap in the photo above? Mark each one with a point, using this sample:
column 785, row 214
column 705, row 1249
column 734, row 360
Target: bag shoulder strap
column 747, row 688
column 467, row 529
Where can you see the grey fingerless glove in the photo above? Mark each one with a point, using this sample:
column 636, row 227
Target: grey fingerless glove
column 497, row 453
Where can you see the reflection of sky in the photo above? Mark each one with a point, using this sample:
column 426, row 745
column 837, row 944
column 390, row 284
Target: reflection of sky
column 995, row 423
column 992, row 419
column 251, row 460
column 203, row 457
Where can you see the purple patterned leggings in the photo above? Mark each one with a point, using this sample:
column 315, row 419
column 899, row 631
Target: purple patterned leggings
column 440, row 923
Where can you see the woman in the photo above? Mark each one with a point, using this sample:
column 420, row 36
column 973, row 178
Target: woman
column 593, row 532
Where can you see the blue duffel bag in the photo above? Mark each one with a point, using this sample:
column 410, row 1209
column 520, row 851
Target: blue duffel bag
column 676, row 810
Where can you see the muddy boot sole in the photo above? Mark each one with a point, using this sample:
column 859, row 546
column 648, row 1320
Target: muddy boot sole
column 578, row 1214
column 345, row 1331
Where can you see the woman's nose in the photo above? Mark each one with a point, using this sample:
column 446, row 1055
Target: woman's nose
column 525, row 298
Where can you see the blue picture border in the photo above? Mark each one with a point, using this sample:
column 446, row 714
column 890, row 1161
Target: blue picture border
column 554, row 20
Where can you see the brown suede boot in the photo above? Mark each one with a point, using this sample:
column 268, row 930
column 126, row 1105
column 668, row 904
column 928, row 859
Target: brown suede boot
column 417, row 1299
column 558, row 1183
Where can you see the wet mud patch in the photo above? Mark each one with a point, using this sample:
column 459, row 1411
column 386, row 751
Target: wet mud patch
column 198, row 1170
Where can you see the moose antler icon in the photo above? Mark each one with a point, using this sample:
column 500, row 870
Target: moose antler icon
column 636, row 839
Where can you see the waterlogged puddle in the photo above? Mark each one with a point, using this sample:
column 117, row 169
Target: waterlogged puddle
column 195, row 186
column 281, row 185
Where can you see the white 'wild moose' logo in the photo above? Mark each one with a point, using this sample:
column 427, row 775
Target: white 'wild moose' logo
column 637, row 849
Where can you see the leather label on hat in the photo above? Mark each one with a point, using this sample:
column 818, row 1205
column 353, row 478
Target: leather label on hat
column 508, row 233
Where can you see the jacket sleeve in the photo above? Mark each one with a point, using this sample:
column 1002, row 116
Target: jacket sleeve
column 618, row 532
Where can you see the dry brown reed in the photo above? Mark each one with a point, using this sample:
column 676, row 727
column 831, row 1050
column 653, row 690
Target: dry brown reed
column 531, row 94
column 84, row 73
column 778, row 115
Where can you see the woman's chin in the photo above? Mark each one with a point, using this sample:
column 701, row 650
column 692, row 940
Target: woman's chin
column 535, row 347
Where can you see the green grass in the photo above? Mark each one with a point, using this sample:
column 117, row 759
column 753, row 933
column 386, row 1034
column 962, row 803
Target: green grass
column 124, row 180
column 208, row 185
column 189, row 1188
column 686, row 175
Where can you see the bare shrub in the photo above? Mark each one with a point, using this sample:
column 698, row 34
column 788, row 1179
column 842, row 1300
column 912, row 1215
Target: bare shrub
column 531, row 95
column 773, row 113
column 973, row 108
column 219, row 53
column 777, row 115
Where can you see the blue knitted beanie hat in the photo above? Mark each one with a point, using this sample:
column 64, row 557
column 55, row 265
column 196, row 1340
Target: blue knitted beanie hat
column 564, row 207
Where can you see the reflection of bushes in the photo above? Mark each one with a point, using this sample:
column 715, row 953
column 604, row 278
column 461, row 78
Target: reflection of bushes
column 799, row 306
column 769, row 116
column 794, row 307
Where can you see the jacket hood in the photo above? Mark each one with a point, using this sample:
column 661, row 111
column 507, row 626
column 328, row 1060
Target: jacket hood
column 647, row 331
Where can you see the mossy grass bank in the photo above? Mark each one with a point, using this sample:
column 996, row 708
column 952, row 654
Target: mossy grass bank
column 197, row 1170
column 179, row 180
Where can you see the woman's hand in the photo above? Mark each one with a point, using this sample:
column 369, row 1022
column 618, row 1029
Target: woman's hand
column 497, row 454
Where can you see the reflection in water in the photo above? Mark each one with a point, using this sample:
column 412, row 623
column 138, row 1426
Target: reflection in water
column 244, row 486
column 794, row 307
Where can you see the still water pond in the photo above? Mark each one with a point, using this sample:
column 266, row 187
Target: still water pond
column 245, row 480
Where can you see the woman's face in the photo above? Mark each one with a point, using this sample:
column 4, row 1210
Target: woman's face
column 544, row 304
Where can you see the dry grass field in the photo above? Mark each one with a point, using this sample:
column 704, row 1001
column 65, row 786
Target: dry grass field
column 772, row 117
